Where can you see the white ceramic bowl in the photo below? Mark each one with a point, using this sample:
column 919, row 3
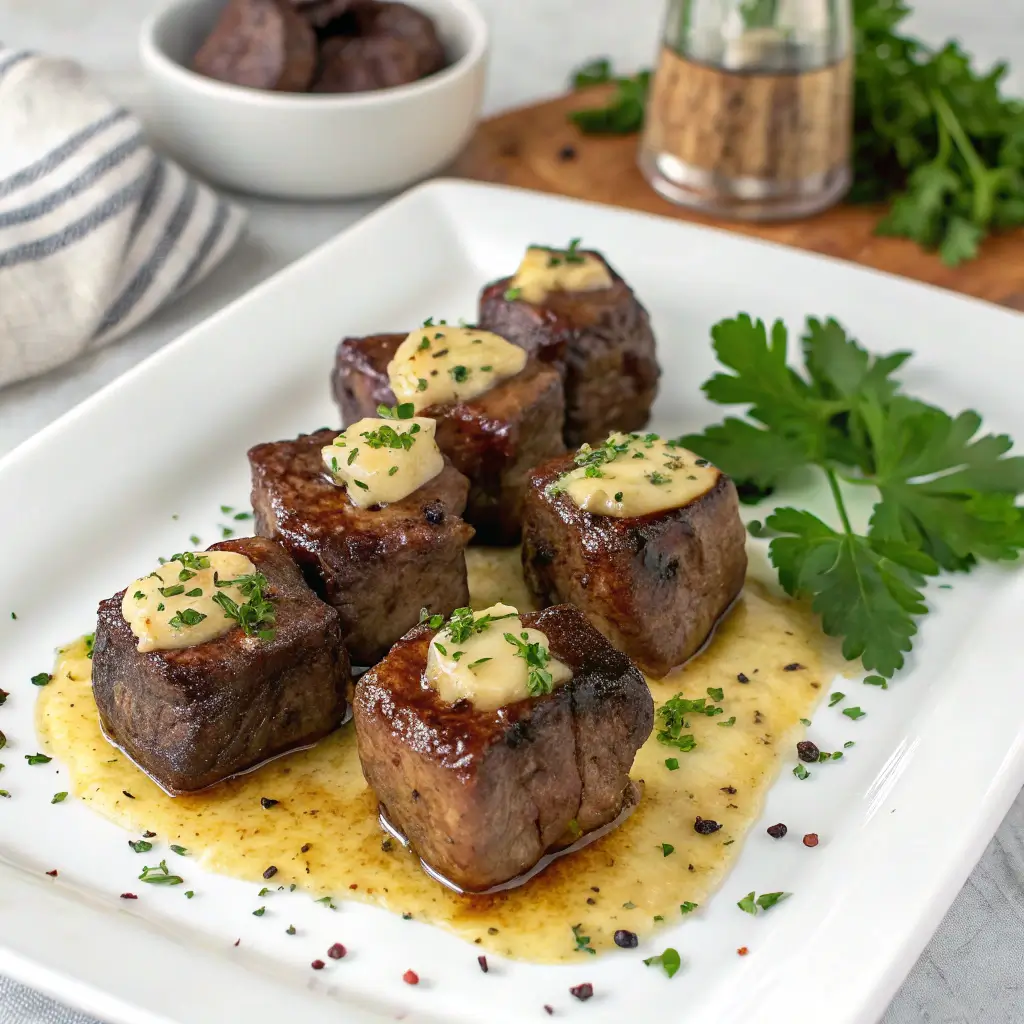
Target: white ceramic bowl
column 311, row 146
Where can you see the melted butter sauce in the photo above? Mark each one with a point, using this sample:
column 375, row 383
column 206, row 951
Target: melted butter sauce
column 325, row 837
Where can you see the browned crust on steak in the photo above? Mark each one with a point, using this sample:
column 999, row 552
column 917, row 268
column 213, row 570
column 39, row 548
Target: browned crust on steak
column 494, row 439
column 482, row 796
column 604, row 341
column 654, row 585
column 377, row 566
column 193, row 717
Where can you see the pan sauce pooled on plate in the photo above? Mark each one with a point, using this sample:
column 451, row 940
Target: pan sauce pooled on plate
column 382, row 460
column 438, row 364
column 490, row 659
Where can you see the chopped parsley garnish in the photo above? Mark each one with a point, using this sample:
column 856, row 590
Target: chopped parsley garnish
column 227, row 509
column 618, row 495
column 352, row 456
column 716, row 693
column 805, row 721
column 290, row 930
column 392, row 471
column 479, row 661
column 421, row 384
column 672, row 715
column 424, row 343
column 854, row 713
column 672, row 763
column 179, row 850
column 226, row 531
column 666, row 849
column 38, row 759
column 41, row 678
column 874, row 680
column 687, row 907
column 327, row 902
column 668, row 960
column 462, row 624
column 174, row 591
column 728, row 723
column 189, row 894
column 459, row 374
column 139, row 595
column 835, row 698
column 140, row 845
column 260, row 912
column 197, row 592
column 849, row 743
column 59, row 798
column 537, row 657
column 801, row 772
column 387, row 437
column 187, row 617
column 193, row 540
column 751, row 904
column 511, row 294
column 657, row 478
column 160, row 875
column 190, row 560
column 256, row 614
column 582, row 941
column 403, row 411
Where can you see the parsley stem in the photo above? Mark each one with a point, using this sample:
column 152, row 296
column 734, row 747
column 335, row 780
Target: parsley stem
column 840, row 504
column 982, row 204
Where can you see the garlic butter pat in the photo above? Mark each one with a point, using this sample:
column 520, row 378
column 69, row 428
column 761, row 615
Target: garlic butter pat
column 178, row 605
column 438, row 365
column 558, row 270
column 380, row 461
column 634, row 475
column 488, row 658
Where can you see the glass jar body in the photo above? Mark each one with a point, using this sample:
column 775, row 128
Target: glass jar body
column 750, row 109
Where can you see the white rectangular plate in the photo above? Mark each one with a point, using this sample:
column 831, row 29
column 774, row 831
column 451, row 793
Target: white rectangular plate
column 87, row 504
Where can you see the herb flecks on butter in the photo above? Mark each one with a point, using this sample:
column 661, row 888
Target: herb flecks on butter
column 224, row 591
column 545, row 270
column 634, row 475
column 383, row 460
column 489, row 657
column 439, row 365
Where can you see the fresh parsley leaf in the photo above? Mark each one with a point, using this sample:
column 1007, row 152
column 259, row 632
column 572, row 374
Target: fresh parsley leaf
column 58, row 798
column 866, row 592
column 801, row 772
column 582, row 941
column 854, row 713
column 539, row 680
column 624, row 112
column 160, row 875
column 669, row 960
column 666, row 849
column 687, row 907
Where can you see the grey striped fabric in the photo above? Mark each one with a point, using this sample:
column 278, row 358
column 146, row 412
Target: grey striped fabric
column 96, row 230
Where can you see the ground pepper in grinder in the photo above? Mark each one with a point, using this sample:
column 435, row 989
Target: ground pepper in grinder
column 750, row 110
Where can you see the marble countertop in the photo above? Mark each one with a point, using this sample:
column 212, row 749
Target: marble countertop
column 971, row 971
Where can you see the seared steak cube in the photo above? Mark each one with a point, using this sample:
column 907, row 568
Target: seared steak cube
column 377, row 566
column 494, row 439
column 601, row 337
column 194, row 716
column 483, row 795
column 654, row 584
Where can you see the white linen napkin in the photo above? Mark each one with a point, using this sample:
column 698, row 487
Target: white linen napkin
column 96, row 230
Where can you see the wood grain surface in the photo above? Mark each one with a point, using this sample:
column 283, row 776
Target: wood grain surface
column 536, row 147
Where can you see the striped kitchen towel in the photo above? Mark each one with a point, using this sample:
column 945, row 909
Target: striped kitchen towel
column 96, row 230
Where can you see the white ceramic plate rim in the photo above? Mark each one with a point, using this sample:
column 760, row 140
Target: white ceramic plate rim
column 906, row 868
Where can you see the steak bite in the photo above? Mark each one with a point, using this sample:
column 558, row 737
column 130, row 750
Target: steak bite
column 641, row 535
column 377, row 564
column 571, row 308
column 486, row 773
column 494, row 436
column 193, row 714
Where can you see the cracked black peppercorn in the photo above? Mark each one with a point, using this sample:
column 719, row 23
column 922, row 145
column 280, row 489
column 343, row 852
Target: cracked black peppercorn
column 266, row 803
column 705, row 826
column 582, row 992
column 777, row 831
column 434, row 515
column 807, row 751
column 627, row 940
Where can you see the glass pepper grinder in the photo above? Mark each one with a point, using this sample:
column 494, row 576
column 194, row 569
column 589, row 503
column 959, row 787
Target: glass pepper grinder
column 750, row 110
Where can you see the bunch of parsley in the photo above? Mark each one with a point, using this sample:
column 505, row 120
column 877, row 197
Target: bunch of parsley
column 945, row 495
column 932, row 137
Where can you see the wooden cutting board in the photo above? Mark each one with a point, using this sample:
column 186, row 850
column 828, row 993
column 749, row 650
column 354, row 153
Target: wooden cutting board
column 537, row 148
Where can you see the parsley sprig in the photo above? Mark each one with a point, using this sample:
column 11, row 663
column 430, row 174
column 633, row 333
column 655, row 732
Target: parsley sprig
column 256, row 615
column 946, row 495
column 539, row 680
